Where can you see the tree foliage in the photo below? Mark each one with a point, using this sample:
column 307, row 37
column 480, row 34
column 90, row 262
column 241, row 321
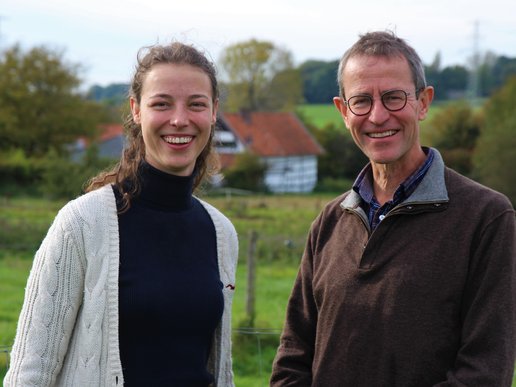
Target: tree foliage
column 342, row 158
column 40, row 105
column 66, row 179
column 248, row 172
column 454, row 131
column 261, row 76
column 319, row 81
column 495, row 155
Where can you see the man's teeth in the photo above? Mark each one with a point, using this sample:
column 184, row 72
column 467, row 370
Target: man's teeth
column 383, row 134
column 177, row 140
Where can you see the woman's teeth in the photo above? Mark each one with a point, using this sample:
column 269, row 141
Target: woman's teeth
column 177, row 140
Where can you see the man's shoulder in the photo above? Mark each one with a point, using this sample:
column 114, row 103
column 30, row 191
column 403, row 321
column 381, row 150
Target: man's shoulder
column 336, row 206
column 473, row 192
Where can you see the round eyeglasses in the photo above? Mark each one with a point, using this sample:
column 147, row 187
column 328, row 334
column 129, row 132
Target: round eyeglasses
column 393, row 100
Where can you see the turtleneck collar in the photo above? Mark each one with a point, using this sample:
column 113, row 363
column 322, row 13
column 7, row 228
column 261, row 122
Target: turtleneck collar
column 163, row 191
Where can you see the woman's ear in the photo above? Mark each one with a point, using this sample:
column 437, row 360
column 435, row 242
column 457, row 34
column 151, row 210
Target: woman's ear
column 135, row 110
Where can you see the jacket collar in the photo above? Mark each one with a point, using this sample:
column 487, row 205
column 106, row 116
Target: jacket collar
column 431, row 189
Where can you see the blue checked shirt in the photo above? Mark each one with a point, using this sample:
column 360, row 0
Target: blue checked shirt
column 364, row 187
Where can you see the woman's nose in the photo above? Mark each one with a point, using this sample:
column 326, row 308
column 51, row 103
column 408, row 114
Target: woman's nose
column 179, row 117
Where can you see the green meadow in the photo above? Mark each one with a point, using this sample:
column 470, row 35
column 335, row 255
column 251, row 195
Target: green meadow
column 281, row 224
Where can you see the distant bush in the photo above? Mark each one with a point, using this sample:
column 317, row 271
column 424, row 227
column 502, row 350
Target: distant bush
column 333, row 185
column 247, row 173
column 454, row 130
column 495, row 154
column 65, row 179
column 20, row 174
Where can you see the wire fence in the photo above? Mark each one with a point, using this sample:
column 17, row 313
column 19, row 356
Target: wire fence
column 258, row 333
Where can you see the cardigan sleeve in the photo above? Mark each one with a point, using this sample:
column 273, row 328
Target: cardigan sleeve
column 293, row 362
column 488, row 341
column 52, row 299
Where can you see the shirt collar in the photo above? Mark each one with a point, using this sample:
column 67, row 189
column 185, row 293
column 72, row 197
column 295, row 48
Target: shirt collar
column 363, row 184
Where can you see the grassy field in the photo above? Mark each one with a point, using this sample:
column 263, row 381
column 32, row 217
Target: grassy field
column 281, row 223
column 321, row 115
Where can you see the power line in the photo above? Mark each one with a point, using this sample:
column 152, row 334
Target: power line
column 473, row 87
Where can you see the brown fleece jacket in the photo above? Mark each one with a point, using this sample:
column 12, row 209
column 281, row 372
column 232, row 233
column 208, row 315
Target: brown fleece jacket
column 427, row 299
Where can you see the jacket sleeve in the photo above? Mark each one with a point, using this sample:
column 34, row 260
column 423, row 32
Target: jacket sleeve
column 52, row 298
column 293, row 362
column 488, row 341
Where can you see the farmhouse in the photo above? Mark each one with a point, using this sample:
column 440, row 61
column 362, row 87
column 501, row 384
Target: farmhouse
column 280, row 140
column 110, row 143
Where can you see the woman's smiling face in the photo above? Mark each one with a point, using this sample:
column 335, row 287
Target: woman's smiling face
column 176, row 113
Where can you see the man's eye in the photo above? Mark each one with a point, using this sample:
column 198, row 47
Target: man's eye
column 359, row 101
column 392, row 98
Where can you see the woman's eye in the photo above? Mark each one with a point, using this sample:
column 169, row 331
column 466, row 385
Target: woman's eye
column 159, row 105
column 198, row 105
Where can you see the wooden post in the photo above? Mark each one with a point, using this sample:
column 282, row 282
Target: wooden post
column 251, row 276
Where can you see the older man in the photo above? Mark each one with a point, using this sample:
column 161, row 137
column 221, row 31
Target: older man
column 408, row 279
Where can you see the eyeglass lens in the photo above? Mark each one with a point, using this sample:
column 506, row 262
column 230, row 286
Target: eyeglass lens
column 393, row 100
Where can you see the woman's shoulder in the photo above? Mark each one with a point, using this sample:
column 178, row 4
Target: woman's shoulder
column 217, row 215
column 91, row 206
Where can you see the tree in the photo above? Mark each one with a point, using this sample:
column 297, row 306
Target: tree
column 495, row 154
column 454, row 130
column 260, row 76
column 342, row 159
column 319, row 81
column 453, row 79
column 494, row 72
column 40, row 103
column 433, row 74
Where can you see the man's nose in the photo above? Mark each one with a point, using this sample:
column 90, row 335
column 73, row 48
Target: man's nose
column 378, row 114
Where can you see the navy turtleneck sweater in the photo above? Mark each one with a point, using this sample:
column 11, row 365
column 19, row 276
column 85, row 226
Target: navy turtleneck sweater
column 170, row 291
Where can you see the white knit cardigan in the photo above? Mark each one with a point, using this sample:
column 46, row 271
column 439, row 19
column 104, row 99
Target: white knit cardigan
column 67, row 332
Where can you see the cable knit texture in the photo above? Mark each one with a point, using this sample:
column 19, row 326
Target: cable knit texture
column 67, row 333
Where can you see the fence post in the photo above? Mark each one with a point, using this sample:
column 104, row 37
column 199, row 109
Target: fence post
column 251, row 276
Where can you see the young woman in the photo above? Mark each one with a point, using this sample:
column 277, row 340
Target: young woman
column 134, row 281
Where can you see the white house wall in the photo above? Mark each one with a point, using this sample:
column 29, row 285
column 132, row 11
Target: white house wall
column 226, row 142
column 291, row 174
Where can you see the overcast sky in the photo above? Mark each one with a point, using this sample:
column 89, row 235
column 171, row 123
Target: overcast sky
column 104, row 35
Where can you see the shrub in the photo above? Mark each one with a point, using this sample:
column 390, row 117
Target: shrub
column 65, row 179
column 454, row 130
column 247, row 173
column 19, row 173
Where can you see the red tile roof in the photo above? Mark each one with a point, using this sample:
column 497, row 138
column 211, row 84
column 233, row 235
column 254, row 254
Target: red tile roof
column 272, row 133
column 109, row 131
